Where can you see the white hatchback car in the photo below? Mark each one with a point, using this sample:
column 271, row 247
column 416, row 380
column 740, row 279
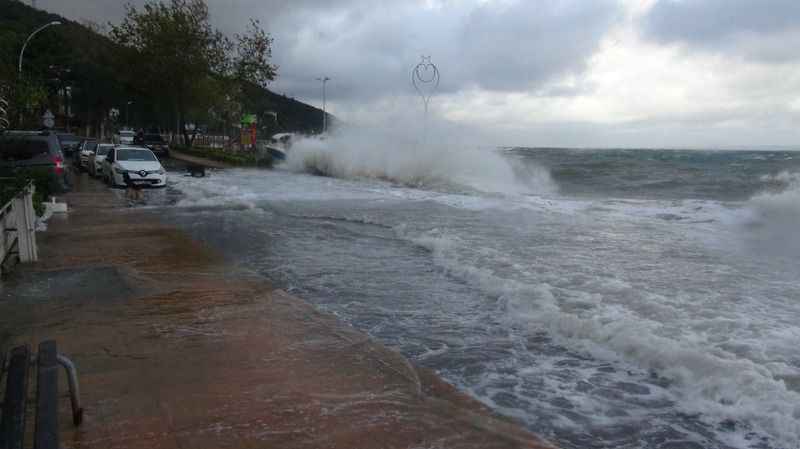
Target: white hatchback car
column 140, row 165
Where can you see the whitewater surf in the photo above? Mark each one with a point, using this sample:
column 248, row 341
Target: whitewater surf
column 630, row 298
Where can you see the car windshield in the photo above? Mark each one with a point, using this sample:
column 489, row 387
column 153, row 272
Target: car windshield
column 135, row 155
column 103, row 150
column 90, row 146
column 126, row 133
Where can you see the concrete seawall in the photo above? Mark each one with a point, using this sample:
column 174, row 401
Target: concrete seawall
column 176, row 349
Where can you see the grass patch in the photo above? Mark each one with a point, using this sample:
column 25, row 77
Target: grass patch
column 243, row 159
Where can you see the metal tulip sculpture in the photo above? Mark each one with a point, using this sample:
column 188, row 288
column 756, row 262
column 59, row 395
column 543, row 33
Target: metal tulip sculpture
column 425, row 78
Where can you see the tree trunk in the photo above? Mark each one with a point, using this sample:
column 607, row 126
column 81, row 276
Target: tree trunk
column 182, row 119
column 177, row 125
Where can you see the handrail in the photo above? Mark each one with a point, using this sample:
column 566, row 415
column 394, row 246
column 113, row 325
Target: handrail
column 10, row 202
column 18, row 227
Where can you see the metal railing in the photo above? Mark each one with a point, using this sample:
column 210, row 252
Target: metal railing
column 14, row 417
column 203, row 140
column 18, row 227
column 4, row 121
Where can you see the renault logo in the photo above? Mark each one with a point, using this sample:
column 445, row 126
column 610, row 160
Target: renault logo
column 142, row 173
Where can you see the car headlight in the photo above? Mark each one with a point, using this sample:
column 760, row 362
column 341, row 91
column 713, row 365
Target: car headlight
column 161, row 171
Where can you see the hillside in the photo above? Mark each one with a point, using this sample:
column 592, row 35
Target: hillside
column 80, row 57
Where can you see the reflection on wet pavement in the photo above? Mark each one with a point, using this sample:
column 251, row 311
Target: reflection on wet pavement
column 177, row 349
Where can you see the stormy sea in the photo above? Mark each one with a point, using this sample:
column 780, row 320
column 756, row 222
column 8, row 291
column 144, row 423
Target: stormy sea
column 603, row 298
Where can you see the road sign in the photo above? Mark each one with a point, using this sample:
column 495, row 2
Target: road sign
column 48, row 119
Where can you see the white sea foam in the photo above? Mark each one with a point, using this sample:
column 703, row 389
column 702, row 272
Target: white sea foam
column 437, row 162
column 771, row 217
column 727, row 355
column 652, row 333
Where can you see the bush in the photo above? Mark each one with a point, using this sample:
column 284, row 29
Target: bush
column 246, row 159
column 44, row 182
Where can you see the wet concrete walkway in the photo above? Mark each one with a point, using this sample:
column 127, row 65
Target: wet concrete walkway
column 177, row 350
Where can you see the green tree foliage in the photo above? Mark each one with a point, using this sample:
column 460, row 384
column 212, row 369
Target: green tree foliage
column 163, row 55
column 170, row 49
column 173, row 51
column 253, row 52
column 64, row 55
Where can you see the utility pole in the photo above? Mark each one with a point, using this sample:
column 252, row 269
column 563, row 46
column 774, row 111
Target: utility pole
column 68, row 100
column 324, row 80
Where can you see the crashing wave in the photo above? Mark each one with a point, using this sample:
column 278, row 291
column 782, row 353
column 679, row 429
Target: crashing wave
column 445, row 164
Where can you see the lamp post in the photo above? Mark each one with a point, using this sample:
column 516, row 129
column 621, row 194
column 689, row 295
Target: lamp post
column 324, row 80
column 68, row 101
column 127, row 107
column 22, row 52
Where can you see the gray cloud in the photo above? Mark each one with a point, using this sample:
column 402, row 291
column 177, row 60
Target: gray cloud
column 368, row 47
column 764, row 30
column 100, row 11
column 522, row 45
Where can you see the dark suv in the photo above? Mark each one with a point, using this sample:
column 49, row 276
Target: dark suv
column 34, row 152
column 154, row 143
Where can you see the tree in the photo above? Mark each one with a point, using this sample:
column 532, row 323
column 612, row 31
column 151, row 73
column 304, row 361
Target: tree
column 174, row 54
column 253, row 52
column 171, row 49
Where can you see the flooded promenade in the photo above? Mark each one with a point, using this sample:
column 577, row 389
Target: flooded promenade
column 176, row 349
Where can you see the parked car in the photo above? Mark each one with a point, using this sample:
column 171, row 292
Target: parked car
column 140, row 164
column 124, row 137
column 81, row 156
column 153, row 142
column 69, row 143
column 96, row 160
column 37, row 152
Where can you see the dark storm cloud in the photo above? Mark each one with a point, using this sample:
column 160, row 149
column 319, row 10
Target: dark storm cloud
column 368, row 47
column 759, row 29
column 515, row 47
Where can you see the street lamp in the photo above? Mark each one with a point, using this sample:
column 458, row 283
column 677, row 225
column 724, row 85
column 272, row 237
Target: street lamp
column 127, row 106
column 22, row 52
column 324, row 80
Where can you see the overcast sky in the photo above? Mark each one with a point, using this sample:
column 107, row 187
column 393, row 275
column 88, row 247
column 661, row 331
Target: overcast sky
column 655, row 73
